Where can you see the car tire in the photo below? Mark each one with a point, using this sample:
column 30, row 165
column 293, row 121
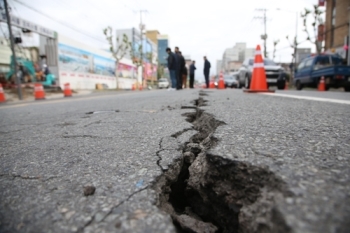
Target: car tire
column 298, row 85
column 281, row 85
column 246, row 82
column 347, row 88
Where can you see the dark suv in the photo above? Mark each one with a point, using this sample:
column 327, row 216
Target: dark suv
column 275, row 74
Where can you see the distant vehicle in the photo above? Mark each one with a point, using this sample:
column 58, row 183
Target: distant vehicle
column 329, row 66
column 230, row 81
column 232, row 72
column 163, row 83
column 275, row 74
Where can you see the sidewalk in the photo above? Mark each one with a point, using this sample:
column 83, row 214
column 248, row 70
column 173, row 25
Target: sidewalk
column 11, row 96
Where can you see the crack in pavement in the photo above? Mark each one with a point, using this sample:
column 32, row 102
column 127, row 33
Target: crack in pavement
column 95, row 122
column 112, row 209
column 85, row 136
column 27, row 177
column 179, row 133
column 204, row 192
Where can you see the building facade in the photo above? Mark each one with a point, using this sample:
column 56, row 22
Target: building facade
column 302, row 53
column 218, row 66
column 235, row 55
column 337, row 27
column 153, row 36
column 163, row 44
column 141, row 46
column 249, row 52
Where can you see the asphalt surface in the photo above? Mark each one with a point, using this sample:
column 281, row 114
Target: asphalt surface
column 51, row 153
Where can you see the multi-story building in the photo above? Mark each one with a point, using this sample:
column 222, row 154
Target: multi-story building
column 249, row 52
column 232, row 57
column 233, row 66
column 134, row 37
column 153, row 36
column 240, row 47
column 141, row 45
column 230, row 54
column 218, row 66
column 337, row 27
column 302, row 53
column 163, row 43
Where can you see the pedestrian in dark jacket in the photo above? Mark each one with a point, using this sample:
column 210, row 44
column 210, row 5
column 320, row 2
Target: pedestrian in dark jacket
column 172, row 66
column 206, row 71
column 184, row 77
column 180, row 65
column 184, row 72
column 192, row 71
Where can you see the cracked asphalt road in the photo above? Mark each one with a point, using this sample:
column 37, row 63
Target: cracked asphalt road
column 122, row 144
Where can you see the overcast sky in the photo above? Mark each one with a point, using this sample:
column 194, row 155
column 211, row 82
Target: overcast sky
column 198, row 28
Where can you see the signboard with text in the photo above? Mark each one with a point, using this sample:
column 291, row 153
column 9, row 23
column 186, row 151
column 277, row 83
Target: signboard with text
column 25, row 24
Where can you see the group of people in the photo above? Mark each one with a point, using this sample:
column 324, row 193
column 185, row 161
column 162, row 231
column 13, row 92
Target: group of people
column 178, row 70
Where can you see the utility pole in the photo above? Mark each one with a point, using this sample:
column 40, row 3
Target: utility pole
column 142, row 27
column 263, row 37
column 295, row 47
column 18, row 81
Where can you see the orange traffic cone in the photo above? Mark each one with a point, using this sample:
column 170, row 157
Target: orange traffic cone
column 258, row 81
column 221, row 84
column 322, row 85
column 140, row 87
column 133, row 87
column 286, row 86
column 39, row 92
column 2, row 94
column 67, row 91
column 212, row 84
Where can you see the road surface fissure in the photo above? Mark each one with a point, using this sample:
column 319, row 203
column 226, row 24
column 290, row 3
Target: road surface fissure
column 205, row 193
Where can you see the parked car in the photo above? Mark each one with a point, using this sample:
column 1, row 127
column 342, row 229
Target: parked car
column 230, row 81
column 329, row 66
column 163, row 83
column 275, row 74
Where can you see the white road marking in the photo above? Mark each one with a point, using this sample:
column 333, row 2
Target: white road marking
column 309, row 98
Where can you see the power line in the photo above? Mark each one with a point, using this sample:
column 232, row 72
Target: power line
column 60, row 22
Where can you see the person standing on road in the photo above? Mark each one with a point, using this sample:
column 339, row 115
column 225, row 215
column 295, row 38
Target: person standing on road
column 184, row 72
column 206, row 71
column 192, row 71
column 180, row 65
column 172, row 68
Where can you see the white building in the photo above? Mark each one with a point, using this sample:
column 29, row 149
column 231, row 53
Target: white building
column 249, row 52
column 230, row 54
column 218, row 66
column 235, row 55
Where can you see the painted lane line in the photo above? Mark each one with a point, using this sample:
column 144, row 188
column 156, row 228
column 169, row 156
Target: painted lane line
column 310, row 98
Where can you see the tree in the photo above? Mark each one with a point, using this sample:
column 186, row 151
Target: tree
column 135, row 55
column 294, row 45
column 275, row 43
column 150, row 57
column 160, row 71
column 119, row 48
column 317, row 20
